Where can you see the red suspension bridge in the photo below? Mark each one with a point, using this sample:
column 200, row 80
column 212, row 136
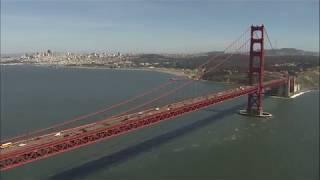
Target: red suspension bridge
column 48, row 142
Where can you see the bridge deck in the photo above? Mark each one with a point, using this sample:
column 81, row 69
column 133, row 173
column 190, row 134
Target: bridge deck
column 31, row 149
column 109, row 122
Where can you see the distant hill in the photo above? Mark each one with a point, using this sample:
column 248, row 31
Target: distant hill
column 289, row 52
column 212, row 53
column 151, row 56
column 278, row 52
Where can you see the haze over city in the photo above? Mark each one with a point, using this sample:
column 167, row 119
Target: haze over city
column 152, row 26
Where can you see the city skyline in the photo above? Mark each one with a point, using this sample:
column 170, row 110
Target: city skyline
column 152, row 26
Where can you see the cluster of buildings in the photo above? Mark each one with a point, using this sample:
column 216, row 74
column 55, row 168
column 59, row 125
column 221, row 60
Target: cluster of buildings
column 113, row 60
column 47, row 53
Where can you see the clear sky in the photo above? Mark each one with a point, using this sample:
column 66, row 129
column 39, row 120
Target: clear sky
column 172, row 26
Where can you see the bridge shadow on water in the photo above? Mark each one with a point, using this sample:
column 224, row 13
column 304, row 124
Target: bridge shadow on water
column 124, row 155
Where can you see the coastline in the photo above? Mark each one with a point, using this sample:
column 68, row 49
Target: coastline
column 176, row 72
column 171, row 71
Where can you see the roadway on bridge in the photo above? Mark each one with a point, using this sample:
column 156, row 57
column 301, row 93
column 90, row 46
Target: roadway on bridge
column 30, row 149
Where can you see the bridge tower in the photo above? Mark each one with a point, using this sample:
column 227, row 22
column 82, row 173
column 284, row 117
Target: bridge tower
column 256, row 73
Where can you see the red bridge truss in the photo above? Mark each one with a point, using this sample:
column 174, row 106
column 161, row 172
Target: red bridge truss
column 29, row 149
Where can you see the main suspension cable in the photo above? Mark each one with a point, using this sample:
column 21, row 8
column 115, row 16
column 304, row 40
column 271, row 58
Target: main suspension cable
column 187, row 82
column 91, row 114
column 138, row 96
column 228, row 58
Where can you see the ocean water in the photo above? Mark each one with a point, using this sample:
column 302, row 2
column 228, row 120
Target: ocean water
column 214, row 143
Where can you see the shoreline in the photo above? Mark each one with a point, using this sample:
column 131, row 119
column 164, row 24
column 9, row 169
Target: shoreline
column 171, row 71
column 176, row 72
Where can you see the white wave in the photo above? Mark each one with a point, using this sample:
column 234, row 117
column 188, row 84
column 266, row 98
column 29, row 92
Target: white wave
column 299, row 94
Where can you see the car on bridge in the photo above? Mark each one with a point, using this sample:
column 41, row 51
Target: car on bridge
column 5, row 145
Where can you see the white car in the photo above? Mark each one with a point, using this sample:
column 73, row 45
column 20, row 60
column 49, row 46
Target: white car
column 5, row 145
column 58, row 134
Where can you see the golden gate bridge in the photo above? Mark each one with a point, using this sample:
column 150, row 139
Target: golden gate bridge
column 47, row 142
